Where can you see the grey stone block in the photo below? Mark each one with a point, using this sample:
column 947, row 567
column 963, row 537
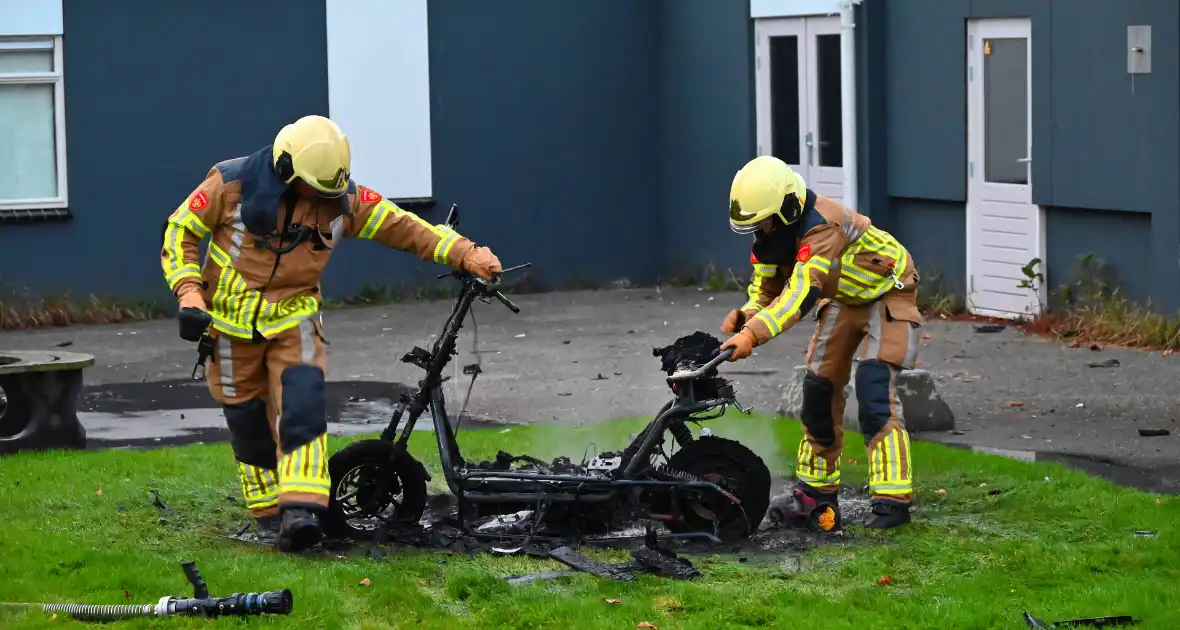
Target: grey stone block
column 39, row 395
column 922, row 408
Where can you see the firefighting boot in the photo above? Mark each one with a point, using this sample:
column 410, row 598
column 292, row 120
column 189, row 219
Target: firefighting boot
column 266, row 529
column 299, row 529
column 888, row 514
column 806, row 508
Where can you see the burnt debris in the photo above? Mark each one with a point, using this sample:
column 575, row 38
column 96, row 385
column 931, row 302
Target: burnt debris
column 688, row 352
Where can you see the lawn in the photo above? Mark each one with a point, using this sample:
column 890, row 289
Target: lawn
column 81, row 528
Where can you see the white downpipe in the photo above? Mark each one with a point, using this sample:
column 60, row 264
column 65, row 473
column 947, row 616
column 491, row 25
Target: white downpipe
column 848, row 99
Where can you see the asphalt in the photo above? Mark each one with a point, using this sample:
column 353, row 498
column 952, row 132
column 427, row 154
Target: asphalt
column 582, row 357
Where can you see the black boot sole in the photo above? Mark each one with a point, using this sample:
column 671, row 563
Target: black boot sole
column 888, row 522
column 300, row 538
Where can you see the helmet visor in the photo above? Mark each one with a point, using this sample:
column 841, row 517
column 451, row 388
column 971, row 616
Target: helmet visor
column 333, row 197
column 334, row 186
column 744, row 222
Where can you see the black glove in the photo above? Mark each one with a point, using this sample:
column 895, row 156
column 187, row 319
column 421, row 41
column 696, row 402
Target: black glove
column 193, row 323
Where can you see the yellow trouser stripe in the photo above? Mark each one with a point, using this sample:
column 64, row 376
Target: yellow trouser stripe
column 306, row 468
column 810, row 469
column 887, row 474
column 259, row 486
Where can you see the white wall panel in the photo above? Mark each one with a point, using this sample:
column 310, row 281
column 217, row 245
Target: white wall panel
column 379, row 91
column 30, row 17
column 792, row 8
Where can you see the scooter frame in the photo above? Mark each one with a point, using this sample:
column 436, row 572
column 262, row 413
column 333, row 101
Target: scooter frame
column 634, row 472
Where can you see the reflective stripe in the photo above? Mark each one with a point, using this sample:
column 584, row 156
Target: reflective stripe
column 185, row 271
column 873, row 347
column 233, row 304
column 858, row 285
column 831, row 312
column 447, row 240
column 306, row 468
column 776, row 321
column 225, row 365
column 376, row 220
column 762, row 273
column 889, row 465
column 175, row 267
column 235, row 246
column 306, row 341
column 911, row 346
column 259, row 486
column 812, row 469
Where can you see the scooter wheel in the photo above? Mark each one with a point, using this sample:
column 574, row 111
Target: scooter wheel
column 371, row 487
column 734, row 468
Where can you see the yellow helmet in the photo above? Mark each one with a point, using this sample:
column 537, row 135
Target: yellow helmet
column 316, row 151
column 760, row 190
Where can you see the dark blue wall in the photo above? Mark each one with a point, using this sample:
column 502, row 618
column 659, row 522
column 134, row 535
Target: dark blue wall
column 156, row 93
column 545, row 125
column 708, row 128
column 1106, row 145
column 595, row 139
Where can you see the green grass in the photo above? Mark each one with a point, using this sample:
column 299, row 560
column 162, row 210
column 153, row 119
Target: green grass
column 1055, row 542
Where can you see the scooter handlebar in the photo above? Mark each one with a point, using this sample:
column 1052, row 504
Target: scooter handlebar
column 506, row 302
column 689, row 375
column 487, row 288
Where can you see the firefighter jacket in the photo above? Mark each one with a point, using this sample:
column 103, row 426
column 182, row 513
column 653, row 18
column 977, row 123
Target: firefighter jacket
column 254, row 290
column 833, row 252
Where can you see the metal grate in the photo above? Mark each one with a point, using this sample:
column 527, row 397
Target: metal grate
column 35, row 215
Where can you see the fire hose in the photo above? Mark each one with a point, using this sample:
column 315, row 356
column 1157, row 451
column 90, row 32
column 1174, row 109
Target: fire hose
column 199, row 605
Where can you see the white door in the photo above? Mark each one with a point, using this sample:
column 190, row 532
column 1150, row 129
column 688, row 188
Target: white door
column 1005, row 230
column 797, row 88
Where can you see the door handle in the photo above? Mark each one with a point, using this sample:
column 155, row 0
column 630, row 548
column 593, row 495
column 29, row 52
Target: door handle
column 808, row 142
column 1024, row 160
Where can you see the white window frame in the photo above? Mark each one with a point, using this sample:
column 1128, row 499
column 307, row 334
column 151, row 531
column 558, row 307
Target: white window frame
column 56, row 79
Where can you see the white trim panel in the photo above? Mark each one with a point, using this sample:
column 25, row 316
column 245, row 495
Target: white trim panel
column 30, row 17
column 792, row 8
column 379, row 92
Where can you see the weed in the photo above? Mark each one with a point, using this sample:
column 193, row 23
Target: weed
column 935, row 297
column 1033, row 281
column 710, row 277
column 371, row 295
column 1093, row 309
column 578, row 282
column 718, row 279
column 25, row 312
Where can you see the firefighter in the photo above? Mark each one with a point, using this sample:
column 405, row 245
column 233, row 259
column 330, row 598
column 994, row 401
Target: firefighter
column 811, row 252
column 274, row 218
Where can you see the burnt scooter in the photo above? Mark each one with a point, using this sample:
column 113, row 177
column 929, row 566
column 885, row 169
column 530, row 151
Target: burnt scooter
column 710, row 486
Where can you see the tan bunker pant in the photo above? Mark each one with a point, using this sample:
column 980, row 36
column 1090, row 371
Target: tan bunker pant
column 272, row 391
column 890, row 329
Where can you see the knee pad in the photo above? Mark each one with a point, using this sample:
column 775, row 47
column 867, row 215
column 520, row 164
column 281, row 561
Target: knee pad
column 249, row 433
column 305, row 414
column 874, row 396
column 816, row 411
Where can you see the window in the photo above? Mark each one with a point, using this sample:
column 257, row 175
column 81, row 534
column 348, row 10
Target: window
column 32, row 126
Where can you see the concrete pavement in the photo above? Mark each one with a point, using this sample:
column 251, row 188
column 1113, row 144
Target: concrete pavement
column 586, row 356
